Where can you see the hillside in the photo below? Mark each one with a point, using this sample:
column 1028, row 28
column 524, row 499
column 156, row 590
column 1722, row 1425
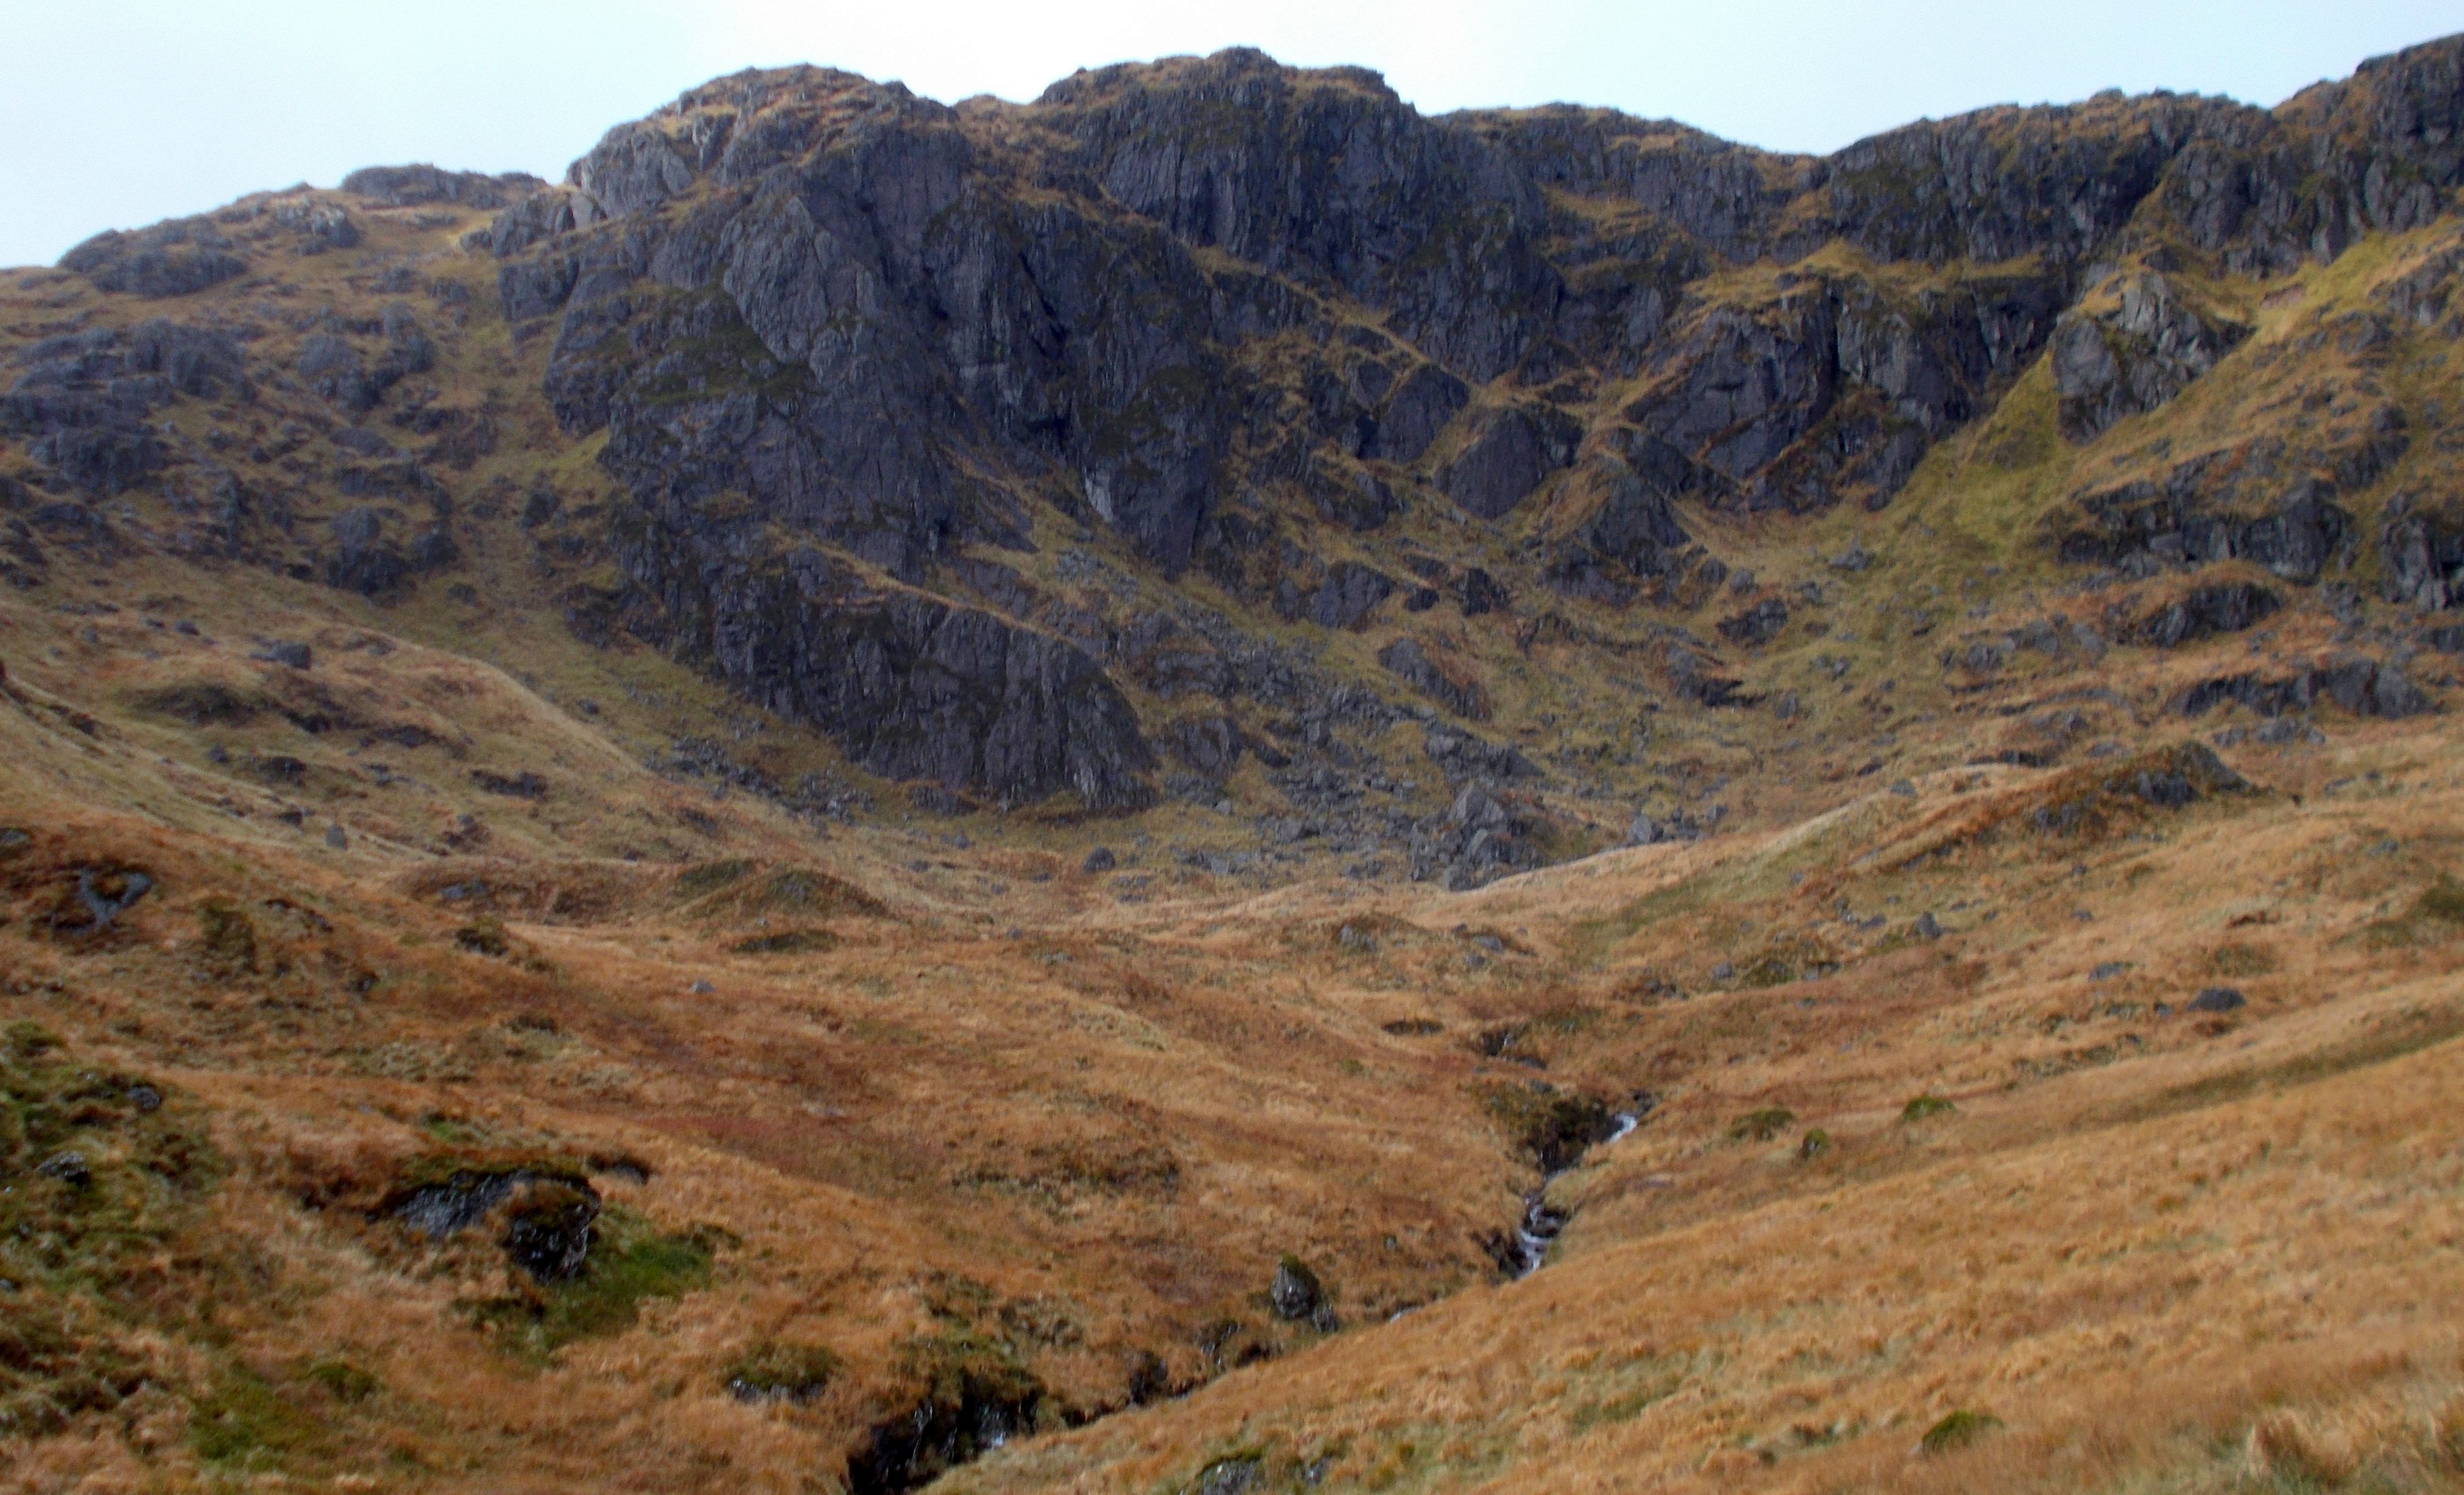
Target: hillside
column 1030, row 794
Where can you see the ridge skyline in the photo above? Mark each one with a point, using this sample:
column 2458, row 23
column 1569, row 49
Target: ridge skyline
column 326, row 101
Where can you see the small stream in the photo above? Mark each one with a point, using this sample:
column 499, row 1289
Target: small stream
column 1538, row 1230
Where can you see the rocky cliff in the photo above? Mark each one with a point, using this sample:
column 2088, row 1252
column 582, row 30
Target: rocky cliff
column 926, row 424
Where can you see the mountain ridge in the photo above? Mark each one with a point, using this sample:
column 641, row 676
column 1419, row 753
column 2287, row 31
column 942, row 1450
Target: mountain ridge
column 888, row 792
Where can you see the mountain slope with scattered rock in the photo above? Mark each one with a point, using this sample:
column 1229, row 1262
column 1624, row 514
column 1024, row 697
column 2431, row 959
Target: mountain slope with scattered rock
column 1027, row 794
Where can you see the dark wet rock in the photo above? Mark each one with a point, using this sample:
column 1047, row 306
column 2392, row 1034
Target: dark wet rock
column 1215, row 305
column 548, row 1215
column 68, row 1168
column 975, row 1398
column 1926, row 925
column 288, row 653
column 1326, row 176
column 2215, row 999
column 1631, row 525
column 548, row 1228
column 1833, row 388
column 1350, row 495
column 145, row 1098
column 2203, row 612
column 1420, row 408
column 1099, row 860
column 2138, row 343
column 1295, row 1293
column 912, row 687
column 2226, row 505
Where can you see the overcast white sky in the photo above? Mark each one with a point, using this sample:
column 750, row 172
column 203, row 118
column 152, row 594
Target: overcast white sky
column 116, row 113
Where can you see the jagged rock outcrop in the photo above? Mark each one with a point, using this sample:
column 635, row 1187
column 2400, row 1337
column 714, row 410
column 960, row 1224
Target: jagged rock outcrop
column 83, row 402
column 1506, row 455
column 1828, row 387
column 2357, row 683
column 2203, row 612
column 2199, row 515
column 911, row 686
column 855, row 355
column 2131, row 347
column 176, row 258
column 2421, row 555
column 420, row 183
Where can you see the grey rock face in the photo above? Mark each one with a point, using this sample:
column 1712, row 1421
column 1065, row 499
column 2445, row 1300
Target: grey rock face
column 2422, row 554
column 2226, row 505
column 1511, row 450
column 317, row 226
column 1833, row 388
column 83, row 400
column 1350, row 593
column 1421, row 405
column 913, row 687
column 1635, row 525
column 2268, row 189
column 2134, row 354
column 1330, row 177
column 540, row 217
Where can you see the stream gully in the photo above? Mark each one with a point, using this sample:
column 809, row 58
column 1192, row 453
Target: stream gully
column 1540, row 1224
